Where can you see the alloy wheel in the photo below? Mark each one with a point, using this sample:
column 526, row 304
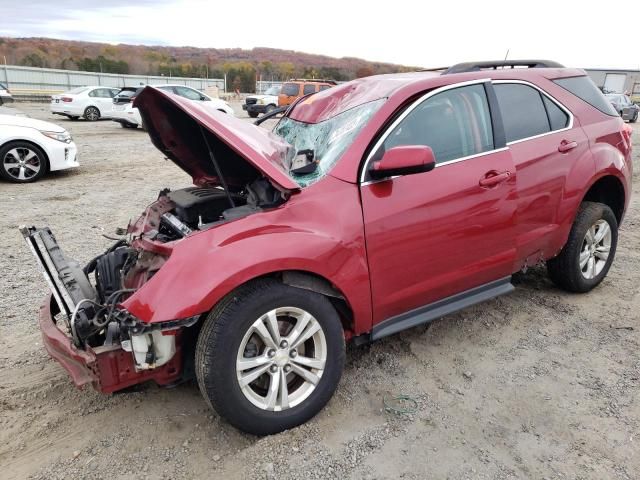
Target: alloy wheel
column 281, row 359
column 22, row 163
column 92, row 114
column 595, row 249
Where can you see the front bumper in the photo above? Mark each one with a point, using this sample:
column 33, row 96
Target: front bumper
column 254, row 108
column 107, row 368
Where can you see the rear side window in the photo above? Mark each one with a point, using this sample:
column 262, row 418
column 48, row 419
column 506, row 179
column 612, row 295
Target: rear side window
column 523, row 112
column 455, row 124
column 290, row 89
column 585, row 89
column 309, row 88
column 558, row 118
column 324, row 87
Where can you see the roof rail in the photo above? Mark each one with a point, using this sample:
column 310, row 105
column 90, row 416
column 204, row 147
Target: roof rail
column 494, row 65
column 317, row 80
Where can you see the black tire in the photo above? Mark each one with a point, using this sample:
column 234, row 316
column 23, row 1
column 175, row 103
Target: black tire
column 221, row 338
column 128, row 125
column 253, row 114
column 564, row 270
column 91, row 114
column 13, row 174
column 635, row 118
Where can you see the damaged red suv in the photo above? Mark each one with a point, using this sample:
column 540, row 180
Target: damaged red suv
column 374, row 206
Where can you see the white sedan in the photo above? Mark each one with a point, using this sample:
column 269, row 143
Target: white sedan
column 91, row 103
column 30, row 148
column 129, row 116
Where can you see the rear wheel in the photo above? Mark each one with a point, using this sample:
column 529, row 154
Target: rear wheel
column 634, row 118
column 253, row 114
column 92, row 114
column 22, row 162
column 587, row 256
column 270, row 356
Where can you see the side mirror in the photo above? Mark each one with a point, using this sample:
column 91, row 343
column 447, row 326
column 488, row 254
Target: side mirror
column 404, row 160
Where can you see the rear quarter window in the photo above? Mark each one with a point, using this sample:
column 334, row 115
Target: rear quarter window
column 584, row 88
column 309, row 89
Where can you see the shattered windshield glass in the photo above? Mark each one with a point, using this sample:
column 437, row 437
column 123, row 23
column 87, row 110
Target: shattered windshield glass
column 324, row 142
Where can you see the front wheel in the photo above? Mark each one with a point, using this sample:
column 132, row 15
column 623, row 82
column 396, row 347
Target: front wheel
column 270, row 356
column 22, row 162
column 587, row 256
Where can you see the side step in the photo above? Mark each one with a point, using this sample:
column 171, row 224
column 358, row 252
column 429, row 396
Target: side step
column 443, row 307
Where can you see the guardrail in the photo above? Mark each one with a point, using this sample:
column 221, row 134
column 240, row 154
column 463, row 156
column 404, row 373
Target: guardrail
column 40, row 83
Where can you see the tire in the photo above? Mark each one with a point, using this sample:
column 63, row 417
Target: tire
column 253, row 114
column 30, row 162
column 587, row 256
column 91, row 114
column 229, row 338
column 635, row 118
column 128, row 125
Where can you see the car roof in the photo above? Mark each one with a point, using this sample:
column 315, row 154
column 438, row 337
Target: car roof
column 328, row 103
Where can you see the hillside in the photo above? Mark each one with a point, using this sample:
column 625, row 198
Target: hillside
column 241, row 66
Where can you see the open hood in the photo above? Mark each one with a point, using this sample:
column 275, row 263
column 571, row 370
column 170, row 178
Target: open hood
column 178, row 128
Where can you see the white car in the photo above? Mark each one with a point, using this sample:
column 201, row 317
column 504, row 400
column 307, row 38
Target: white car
column 129, row 117
column 91, row 103
column 5, row 95
column 30, row 148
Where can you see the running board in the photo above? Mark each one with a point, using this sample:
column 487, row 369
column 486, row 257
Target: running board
column 443, row 307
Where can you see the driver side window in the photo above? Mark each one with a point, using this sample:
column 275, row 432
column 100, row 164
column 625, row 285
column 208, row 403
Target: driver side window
column 455, row 123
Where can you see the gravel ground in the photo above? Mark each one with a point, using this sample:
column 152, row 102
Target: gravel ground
column 535, row 384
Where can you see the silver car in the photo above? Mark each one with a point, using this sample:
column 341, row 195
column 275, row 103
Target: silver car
column 623, row 105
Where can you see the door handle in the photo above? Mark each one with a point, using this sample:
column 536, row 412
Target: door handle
column 566, row 145
column 493, row 178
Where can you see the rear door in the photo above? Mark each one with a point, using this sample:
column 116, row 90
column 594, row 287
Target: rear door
column 431, row 235
column 545, row 143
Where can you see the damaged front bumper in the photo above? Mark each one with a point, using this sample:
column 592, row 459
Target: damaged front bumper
column 107, row 366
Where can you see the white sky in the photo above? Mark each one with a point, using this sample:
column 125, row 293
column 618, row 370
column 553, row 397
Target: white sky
column 575, row 33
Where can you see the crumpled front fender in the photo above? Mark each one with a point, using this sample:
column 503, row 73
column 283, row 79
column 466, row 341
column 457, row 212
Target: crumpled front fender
column 319, row 230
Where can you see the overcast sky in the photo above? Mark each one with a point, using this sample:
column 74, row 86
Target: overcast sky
column 578, row 33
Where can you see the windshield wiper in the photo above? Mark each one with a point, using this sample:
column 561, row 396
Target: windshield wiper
column 272, row 113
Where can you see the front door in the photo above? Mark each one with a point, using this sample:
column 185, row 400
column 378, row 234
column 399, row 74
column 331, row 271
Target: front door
column 434, row 234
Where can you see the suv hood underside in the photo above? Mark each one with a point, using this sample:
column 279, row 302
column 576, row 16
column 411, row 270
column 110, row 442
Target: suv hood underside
column 244, row 152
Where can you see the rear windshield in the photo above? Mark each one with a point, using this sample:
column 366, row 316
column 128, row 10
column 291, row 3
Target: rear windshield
column 585, row 89
column 290, row 89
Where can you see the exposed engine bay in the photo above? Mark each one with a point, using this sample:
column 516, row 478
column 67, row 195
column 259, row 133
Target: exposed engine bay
column 89, row 297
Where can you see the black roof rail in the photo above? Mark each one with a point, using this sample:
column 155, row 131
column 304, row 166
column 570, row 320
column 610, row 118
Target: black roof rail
column 494, row 65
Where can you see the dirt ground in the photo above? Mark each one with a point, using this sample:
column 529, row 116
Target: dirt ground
column 536, row 384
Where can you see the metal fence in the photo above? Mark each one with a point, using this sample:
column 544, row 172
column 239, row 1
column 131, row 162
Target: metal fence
column 32, row 82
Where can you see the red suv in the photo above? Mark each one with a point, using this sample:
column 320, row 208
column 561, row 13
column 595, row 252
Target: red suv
column 374, row 206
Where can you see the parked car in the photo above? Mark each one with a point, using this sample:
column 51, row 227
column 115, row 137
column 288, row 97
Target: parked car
column 296, row 88
column 91, row 103
column 5, row 95
column 30, row 148
column 126, row 95
column 374, row 206
column 623, row 105
column 254, row 105
column 127, row 115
